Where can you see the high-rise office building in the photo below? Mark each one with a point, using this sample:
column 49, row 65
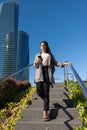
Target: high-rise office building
column 9, row 11
column 23, row 55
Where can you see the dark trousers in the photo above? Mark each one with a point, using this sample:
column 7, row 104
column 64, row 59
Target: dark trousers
column 43, row 91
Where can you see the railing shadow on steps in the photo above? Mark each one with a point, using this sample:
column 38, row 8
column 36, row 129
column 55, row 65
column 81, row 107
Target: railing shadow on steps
column 79, row 80
column 54, row 114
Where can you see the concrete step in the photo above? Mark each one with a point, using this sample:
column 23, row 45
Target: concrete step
column 58, row 103
column 66, row 119
column 54, row 113
column 63, row 113
column 58, row 90
column 59, row 85
column 51, row 125
column 62, row 103
column 59, row 96
column 56, row 94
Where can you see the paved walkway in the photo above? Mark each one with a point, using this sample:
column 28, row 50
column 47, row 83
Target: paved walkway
column 63, row 116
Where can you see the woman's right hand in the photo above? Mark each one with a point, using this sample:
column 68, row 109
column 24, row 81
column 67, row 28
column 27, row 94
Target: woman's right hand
column 38, row 61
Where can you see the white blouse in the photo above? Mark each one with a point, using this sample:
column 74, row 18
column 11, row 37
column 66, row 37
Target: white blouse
column 46, row 59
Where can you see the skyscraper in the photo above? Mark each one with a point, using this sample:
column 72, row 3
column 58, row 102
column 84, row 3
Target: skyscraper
column 9, row 11
column 23, row 55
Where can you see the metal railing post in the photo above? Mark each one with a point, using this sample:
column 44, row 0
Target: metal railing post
column 66, row 75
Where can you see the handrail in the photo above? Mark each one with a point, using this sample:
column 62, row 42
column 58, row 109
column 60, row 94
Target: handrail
column 67, row 74
column 17, row 72
column 80, row 82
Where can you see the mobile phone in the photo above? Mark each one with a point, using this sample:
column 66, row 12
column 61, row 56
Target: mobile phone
column 39, row 57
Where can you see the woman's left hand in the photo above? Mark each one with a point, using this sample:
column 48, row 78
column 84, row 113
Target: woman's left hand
column 67, row 63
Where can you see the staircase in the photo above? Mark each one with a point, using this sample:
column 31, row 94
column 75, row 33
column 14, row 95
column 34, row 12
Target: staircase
column 63, row 115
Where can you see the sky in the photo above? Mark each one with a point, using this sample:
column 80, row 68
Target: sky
column 63, row 23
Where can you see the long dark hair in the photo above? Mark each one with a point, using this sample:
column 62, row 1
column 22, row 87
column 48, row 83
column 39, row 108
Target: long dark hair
column 47, row 46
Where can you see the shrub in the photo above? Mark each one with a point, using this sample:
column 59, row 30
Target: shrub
column 9, row 88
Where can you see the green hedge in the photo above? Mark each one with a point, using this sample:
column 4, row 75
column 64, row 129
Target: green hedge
column 80, row 103
column 10, row 88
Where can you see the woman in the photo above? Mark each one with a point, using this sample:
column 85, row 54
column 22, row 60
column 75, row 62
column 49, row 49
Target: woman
column 44, row 63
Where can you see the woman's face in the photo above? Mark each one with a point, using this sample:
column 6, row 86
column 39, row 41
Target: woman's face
column 43, row 47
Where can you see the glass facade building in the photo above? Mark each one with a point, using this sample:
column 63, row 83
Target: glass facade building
column 23, row 55
column 9, row 11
